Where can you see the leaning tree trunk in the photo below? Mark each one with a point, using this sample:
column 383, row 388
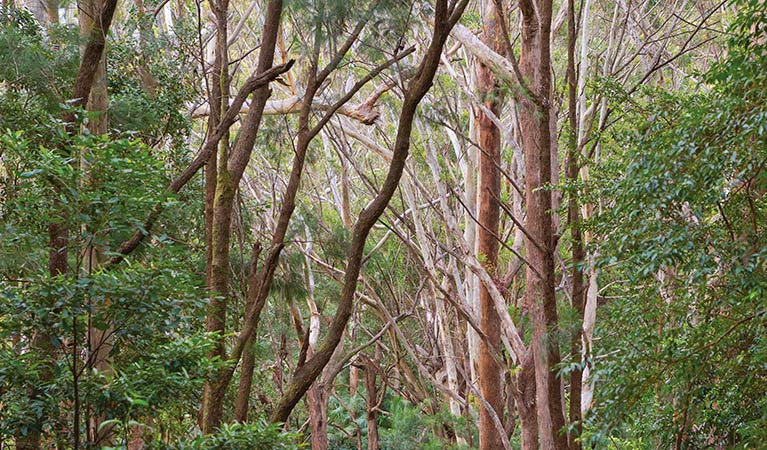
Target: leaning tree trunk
column 489, row 211
column 444, row 20
column 535, row 67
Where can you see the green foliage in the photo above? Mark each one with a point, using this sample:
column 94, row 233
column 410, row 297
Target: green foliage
column 404, row 426
column 255, row 435
column 100, row 188
column 684, row 241
column 407, row 427
column 33, row 65
column 151, row 81
column 123, row 180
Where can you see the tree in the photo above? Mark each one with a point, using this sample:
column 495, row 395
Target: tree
column 489, row 193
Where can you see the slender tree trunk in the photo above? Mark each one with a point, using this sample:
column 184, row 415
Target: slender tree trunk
column 372, row 401
column 535, row 65
column 573, row 217
column 242, row 402
column 487, row 249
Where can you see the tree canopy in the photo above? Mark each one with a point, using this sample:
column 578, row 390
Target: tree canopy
column 457, row 224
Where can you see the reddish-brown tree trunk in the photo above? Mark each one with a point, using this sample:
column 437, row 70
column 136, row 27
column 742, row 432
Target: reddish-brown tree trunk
column 489, row 137
column 524, row 400
column 535, row 66
column 316, row 398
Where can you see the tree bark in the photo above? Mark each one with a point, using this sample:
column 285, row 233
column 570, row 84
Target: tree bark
column 242, row 402
column 316, row 398
column 372, row 401
column 52, row 11
column 524, row 400
column 489, row 137
column 535, row 67
column 220, row 218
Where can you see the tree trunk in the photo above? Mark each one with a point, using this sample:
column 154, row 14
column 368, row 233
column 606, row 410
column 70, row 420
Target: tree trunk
column 215, row 389
column 242, row 402
column 52, row 11
column 372, row 402
column 573, row 217
column 487, row 249
column 220, row 217
column 316, row 397
column 535, row 65
column 524, row 400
